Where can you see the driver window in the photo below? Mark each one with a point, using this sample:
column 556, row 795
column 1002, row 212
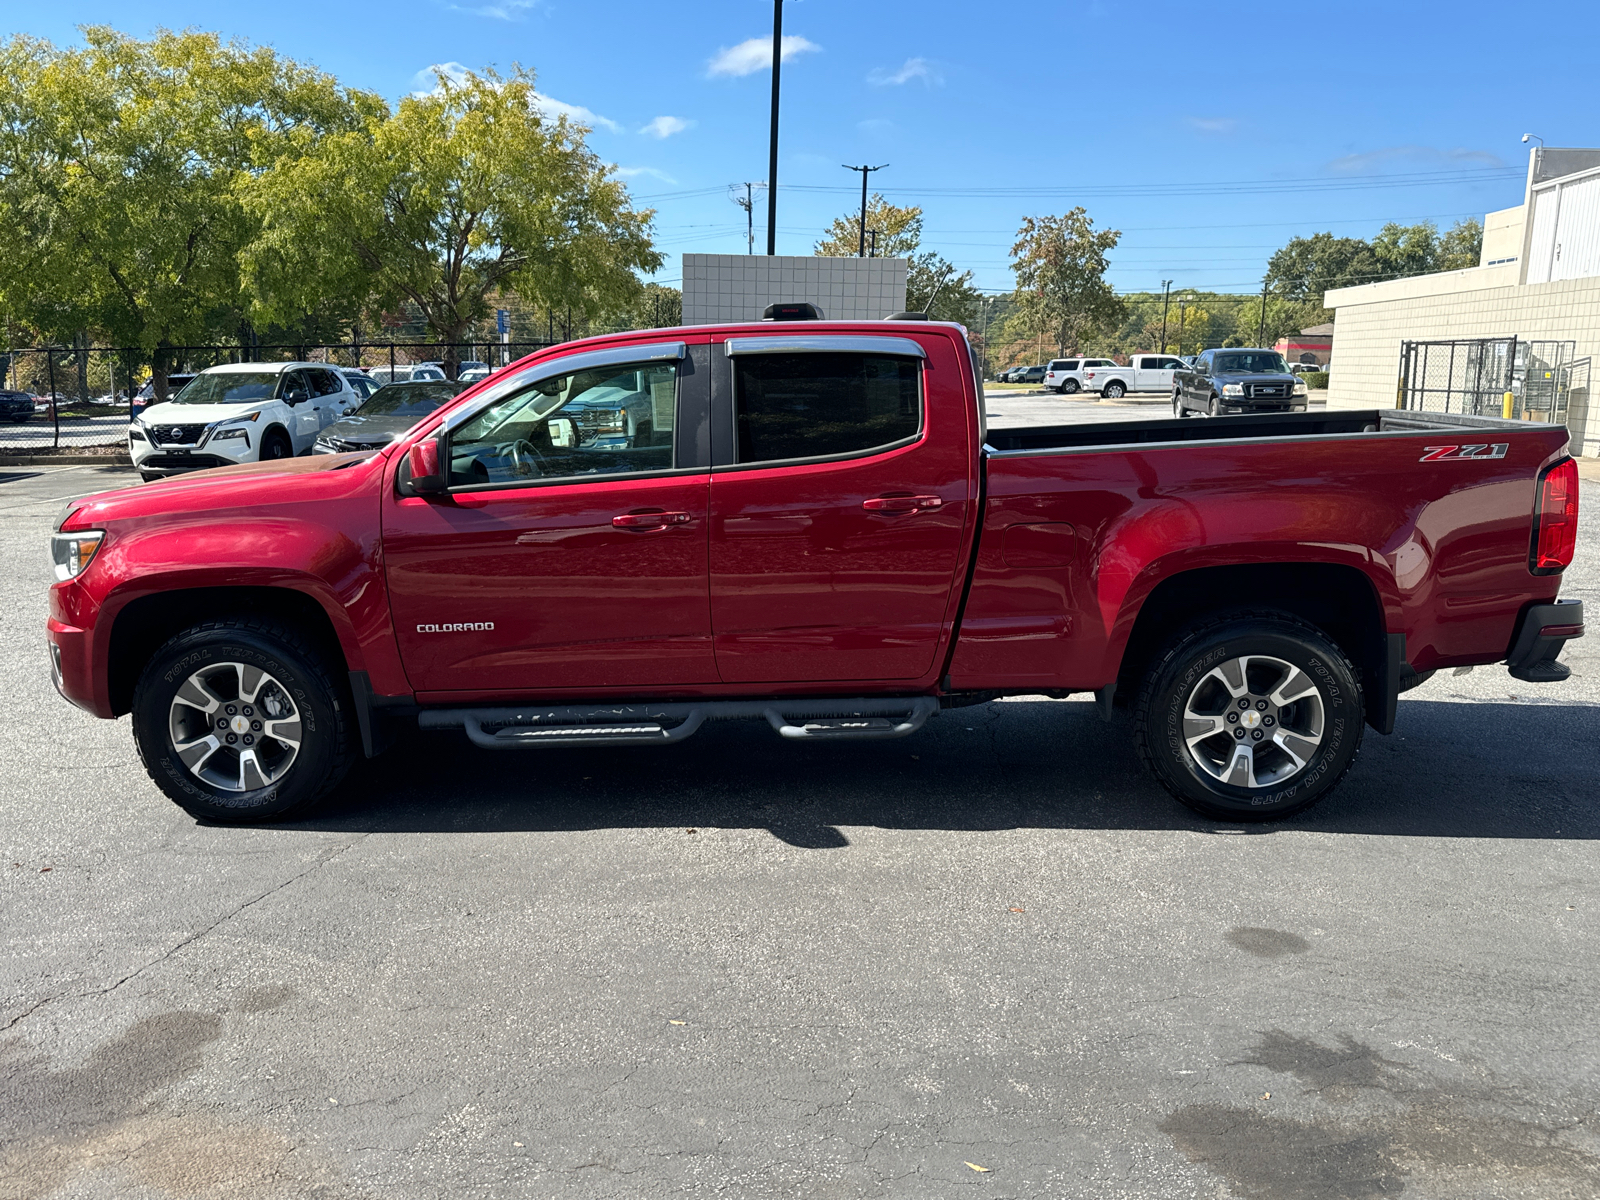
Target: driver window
column 602, row 421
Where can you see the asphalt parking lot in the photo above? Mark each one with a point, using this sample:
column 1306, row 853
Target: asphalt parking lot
column 991, row 960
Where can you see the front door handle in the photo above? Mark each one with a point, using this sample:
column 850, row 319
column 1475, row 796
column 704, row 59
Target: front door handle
column 901, row 504
column 650, row 520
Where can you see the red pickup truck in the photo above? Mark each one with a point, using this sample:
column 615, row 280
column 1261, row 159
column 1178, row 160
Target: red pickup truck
column 809, row 523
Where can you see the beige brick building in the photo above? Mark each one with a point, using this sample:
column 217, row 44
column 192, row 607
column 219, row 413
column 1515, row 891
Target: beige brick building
column 1539, row 281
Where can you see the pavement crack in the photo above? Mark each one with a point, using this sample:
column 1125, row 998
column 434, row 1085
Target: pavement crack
column 322, row 861
column 26, row 1013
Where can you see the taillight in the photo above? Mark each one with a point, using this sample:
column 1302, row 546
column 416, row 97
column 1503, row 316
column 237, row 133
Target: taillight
column 1555, row 528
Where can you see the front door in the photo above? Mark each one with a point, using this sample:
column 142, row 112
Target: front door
column 563, row 558
column 836, row 528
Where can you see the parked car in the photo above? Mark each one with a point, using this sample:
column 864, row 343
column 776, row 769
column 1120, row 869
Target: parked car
column 385, row 415
column 16, row 407
column 472, row 364
column 1237, row 381
column 239, row 412
column 406, row 372
column 1307, row 368
column 475, row 373
column 360, row 382
column 1144, row 373
column 825, row 538
column 1034, row 374
column 1065, row 375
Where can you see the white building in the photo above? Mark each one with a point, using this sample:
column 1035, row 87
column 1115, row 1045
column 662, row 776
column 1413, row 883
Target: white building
column 722, row 288
column 1538, row 281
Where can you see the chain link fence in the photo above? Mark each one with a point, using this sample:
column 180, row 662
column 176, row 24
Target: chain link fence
column 1527, row 380
column 81, row 398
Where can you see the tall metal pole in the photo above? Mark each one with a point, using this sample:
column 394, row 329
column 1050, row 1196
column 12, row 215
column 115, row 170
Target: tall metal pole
column 1261, row 333
column 749, row 219
column 1166, row 296
column 772, row 154
column 861, row 246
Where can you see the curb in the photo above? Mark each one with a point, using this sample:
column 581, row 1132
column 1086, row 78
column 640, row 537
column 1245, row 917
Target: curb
column 65, row 460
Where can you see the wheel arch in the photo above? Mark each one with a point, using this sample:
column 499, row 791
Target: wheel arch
column 1339, row 599
column 144, row 624
column 275, row 427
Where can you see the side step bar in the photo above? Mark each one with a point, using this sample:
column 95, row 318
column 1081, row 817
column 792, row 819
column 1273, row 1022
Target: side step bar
column 864, row 718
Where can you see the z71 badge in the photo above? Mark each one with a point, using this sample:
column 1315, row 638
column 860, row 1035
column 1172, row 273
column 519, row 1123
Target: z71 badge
column 1439, row 453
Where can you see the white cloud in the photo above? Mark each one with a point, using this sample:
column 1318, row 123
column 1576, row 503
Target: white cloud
column 500, row 10
column 665, row 127
column 1416, row 155
column 1213, row 124
column 754, row 55
column 426, row 81
column 914, row 68
column 635, row 172
column 551, row 107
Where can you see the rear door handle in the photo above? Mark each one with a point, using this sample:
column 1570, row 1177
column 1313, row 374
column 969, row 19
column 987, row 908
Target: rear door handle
column 901, row 504
column 650, row 520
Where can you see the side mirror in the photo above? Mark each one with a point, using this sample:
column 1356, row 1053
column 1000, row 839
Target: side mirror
column 562, row 433
column 423, row 462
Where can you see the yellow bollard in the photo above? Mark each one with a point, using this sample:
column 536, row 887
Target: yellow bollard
column 1509, row 403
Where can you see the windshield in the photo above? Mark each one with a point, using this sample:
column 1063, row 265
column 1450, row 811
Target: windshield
column 228, row 387
column 408, row 399
column 1253, row 362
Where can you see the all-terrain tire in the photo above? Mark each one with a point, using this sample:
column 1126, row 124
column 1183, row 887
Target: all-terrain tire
column 317, row 700
column 1189, row 660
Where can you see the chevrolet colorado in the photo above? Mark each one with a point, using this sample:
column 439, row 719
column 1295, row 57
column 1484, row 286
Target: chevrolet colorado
column 818, row 530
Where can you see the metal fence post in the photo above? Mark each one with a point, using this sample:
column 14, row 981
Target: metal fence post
column 55, row 405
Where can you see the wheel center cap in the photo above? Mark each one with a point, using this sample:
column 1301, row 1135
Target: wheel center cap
column 242, row 724
column 1250, row 719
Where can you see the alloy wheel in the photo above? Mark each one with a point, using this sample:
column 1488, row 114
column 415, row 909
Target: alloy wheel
column 234, row 727
column 1254, row 721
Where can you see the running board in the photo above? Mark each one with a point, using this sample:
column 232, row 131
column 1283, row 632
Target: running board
column 860, row 719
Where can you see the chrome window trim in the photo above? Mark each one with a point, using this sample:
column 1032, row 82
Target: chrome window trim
column 899, row 347
column 642, row 352
column 1194, row 443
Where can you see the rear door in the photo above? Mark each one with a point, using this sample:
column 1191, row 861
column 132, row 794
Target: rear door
column 555, row 562
column 839, row 505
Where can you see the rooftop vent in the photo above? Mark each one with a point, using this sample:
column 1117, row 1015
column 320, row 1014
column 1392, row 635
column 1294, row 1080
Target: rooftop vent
column 792, row 312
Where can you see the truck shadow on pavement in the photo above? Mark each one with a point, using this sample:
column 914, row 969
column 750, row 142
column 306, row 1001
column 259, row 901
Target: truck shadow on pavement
column 1510, row 770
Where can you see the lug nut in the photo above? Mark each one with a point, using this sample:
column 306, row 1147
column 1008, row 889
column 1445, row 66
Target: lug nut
column 1256, row 735
column 1267, row 721
column 1242, row 704
column 248, row 711
column 230, row 710
column 232, row 738
column 256, row 725
column 1238, row 733
column 222, row 722
column 248, row 740
column 1261, row 706
column 1233, row 719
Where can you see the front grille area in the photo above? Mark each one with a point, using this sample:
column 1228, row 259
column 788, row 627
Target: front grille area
column 175, row 435
column 1253, row 390
column 184, row 462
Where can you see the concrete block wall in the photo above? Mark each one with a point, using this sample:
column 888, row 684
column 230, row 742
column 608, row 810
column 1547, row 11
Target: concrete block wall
column 1369, row 329
column 722, row 288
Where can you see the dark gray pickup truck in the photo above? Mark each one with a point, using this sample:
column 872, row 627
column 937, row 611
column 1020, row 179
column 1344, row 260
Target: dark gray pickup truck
column 1237, row 381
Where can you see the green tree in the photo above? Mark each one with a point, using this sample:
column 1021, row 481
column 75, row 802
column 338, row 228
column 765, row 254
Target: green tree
column 1060, row 265
column 122, row 164
column 452, row 197
column 933, row 285
column 1461, row 246
column 1307, row 267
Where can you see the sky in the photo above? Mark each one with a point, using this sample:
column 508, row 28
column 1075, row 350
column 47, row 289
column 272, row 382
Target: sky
column 1208, row 133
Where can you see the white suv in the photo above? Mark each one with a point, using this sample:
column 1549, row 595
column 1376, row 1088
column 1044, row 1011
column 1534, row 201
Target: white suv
column 1065, row 375
column 239, row 413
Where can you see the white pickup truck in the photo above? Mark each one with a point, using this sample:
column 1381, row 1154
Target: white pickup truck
column 1144, row 373
column 1065, row 375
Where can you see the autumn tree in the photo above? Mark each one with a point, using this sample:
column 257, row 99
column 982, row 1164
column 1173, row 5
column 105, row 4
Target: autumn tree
column 1060, row 265
column 442, row 203
column 122, row 169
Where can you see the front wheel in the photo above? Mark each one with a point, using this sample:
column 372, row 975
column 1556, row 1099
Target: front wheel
column 241, row 720
column 1214, row 409
column 1252, row 716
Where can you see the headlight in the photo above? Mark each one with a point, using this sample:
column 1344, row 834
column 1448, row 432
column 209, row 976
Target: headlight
column 1233, row 389
column 615, row 421
column 1299, row 387
column 237, row 431
column 136, row 433
column 73, row 552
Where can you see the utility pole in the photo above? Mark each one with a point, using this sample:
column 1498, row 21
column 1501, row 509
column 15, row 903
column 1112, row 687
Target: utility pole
column 772, row 154
column 872, row 246
column 861, row 249
column 1181, row 303
column 1261, row 332
column 1166, row 295
column 746, row 202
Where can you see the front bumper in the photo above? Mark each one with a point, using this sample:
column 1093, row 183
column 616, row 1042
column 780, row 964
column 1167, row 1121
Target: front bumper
column 1540, row 636
column 156, row 459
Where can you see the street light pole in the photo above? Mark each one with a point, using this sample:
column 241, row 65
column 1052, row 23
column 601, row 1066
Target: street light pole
column 772, row 154
column 1166, row 296
column 1261, row 332
column 861, row 248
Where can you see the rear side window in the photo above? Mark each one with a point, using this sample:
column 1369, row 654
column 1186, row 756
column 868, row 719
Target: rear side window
column 820, row 405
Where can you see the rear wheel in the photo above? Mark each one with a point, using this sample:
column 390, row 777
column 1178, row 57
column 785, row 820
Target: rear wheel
column 1114, row 390
column 1178, row 410
column 241, row 720
column 1252, row 716
column 1071, row 387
